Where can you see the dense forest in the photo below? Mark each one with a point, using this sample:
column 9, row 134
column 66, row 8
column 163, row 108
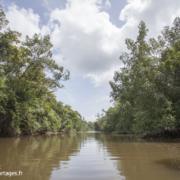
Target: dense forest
column 28, row 78
column 146, row 90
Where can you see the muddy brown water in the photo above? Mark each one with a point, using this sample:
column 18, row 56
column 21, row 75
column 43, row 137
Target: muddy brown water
column 88, row 156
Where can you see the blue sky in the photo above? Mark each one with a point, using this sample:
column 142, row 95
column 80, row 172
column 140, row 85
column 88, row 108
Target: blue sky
column 88, row 38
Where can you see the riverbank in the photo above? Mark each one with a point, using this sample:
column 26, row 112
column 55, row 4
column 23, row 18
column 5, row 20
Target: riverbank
column 17, row 133
column 172, row 134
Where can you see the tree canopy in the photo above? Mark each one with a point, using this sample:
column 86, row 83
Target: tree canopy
column 146, row 91
column 28, row 78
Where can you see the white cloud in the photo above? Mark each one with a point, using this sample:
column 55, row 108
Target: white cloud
column 25, row 21
column 155, row 13
column 89, row 43
column 103, row 78
column 92, row 44
column 86, row 37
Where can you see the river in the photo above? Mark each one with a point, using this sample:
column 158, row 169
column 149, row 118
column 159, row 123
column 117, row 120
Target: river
column 88, row 156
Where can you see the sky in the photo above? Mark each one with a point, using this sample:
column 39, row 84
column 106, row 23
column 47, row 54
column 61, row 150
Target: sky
column 88, row 36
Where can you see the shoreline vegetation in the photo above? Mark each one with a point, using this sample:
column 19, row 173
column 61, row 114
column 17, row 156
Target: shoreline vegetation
column 49, row 133
column 28, row 78
column 146, row 90
column 170, row 134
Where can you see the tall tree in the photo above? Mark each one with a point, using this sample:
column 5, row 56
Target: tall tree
column 28, row 76
column 146, row 89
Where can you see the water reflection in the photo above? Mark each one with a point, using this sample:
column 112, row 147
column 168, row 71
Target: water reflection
column 89, row 156
column 37, row 156
column 140, row 159
column 173, row 164
column 90, row 163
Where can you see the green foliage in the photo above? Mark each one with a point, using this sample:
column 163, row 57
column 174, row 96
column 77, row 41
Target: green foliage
column 90, row 125
column 28, row 78
column 146, row 90
column 83, row 125
column 68, row 127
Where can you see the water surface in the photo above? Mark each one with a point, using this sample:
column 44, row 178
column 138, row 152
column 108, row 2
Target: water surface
column 89, row 156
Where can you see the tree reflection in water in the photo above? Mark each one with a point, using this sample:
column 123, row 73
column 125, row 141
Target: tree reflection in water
column 89, row 156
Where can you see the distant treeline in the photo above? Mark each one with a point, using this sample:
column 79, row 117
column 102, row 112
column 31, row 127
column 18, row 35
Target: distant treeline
column 146, row 90
column 28, row 78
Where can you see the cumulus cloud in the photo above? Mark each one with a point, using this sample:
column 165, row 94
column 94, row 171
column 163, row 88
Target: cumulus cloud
column 92, row 44
column 86, row 37
column 155, row 13
column 103, row 78
column 25, row 21
column 87, row 42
